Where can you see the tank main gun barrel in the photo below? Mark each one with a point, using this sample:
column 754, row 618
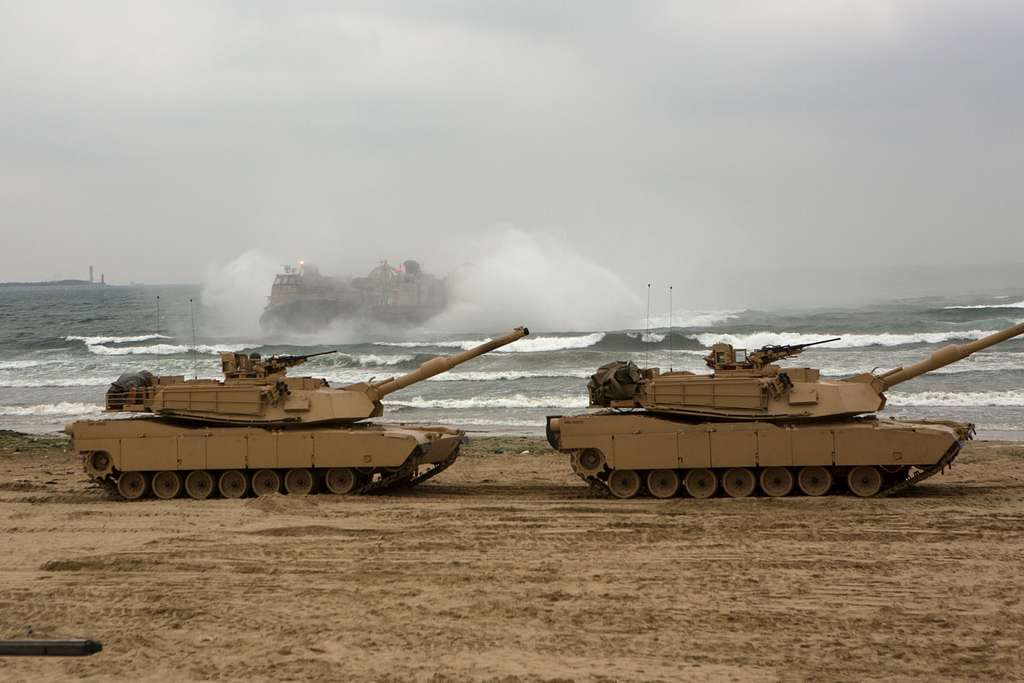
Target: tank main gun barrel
column 945, row 356
column 435, row 366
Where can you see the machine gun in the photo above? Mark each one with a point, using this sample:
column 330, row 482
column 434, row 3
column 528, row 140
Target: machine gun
column 252, row 366
column 767, row 355
column 276, row 364
column 725, row 357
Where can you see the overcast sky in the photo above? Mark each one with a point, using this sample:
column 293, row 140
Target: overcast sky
column 659, row 140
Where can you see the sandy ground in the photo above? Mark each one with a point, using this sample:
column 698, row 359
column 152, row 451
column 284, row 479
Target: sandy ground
column 507, row 568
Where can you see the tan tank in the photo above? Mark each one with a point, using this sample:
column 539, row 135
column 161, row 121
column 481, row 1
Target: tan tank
column 752, row 425
column 259, row 431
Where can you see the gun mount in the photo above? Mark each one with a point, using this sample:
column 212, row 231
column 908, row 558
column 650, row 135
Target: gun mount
column 253, row 366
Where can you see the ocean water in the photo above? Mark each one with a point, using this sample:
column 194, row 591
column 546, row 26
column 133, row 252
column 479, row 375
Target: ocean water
column 61, row 346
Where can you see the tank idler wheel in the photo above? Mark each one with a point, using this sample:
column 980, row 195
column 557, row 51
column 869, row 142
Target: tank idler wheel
column 166, row 485
column 199, row 484
column 624, row 483
column 265, row 482
column 738, row 482
column 132, row 485
column 233, row 484
column 341, row 480
column 298, row 482
column 776, row 481
column 663, row 483
column 814, row 480
column 591, row 461
column 864, row 480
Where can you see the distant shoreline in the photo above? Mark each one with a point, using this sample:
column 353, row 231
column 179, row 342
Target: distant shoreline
column 54, row 283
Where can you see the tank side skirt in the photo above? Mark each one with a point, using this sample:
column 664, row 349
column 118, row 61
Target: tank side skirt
column 596, row 481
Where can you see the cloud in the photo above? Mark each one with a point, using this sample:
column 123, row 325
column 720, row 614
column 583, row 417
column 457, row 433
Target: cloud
column 157, row 139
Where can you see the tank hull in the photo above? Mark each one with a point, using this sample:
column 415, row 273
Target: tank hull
column 900, row 453
column 364, row 457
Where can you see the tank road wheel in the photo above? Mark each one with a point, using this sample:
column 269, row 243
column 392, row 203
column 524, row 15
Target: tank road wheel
column 624, row 483
column 738, row 482
column 865, row 480
column 776, row 481
column 199, row 484
column 265, row 482
column 132, row 485
column 232, row 484
column 341, row 480
column 814, row 481
column 298, row 482
column 701, row 483
column 663, row 483
column 166, row 485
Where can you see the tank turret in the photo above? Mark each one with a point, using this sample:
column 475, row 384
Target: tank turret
column 258, row 391
column 751, row 386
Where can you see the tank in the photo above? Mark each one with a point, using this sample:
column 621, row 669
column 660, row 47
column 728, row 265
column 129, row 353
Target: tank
column 753, row 426
column 259, row 431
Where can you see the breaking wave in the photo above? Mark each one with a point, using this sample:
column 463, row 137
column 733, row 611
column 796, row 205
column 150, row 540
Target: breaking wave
column 489, row 376
column 93, row 341
column 958, row 398
column 1019, row 304
column 53, row 409
column 846, row 341
column 647, row 337
column 692, row 318
column 166, row 349
column 19, row 364
column 524, row 345
column 64, row 382
column 514, row 401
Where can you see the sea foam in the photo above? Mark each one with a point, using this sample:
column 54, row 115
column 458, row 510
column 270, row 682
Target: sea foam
column 758, row 339
column 1013, row 397
column 93, row 341
column 166, row 349
column 65, row 408
column 524, row 345
column 1019, row 304
column 513, row 401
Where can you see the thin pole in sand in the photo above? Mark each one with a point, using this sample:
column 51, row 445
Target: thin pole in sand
column 647, row 330
column 158, row 314
column 670, row 328
column 192, row 314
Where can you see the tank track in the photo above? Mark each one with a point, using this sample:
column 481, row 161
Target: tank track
column 401, row 477
column 945, row 461
column 600, row 487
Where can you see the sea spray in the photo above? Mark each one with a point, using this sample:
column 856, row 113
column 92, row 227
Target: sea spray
column 516, row 277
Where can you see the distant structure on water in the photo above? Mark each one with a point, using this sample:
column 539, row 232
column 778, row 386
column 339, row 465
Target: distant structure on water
column 303, row 300
column 60, row 283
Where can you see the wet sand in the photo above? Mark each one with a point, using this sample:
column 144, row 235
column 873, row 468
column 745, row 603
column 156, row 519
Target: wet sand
column 506, row 567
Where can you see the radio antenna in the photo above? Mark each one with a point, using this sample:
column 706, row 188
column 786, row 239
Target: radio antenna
column 670, row 328
column 647, row 331
column 192, row 314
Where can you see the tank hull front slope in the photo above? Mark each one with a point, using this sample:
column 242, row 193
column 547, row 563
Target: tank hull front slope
column 348, row 459
column 866, row 456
